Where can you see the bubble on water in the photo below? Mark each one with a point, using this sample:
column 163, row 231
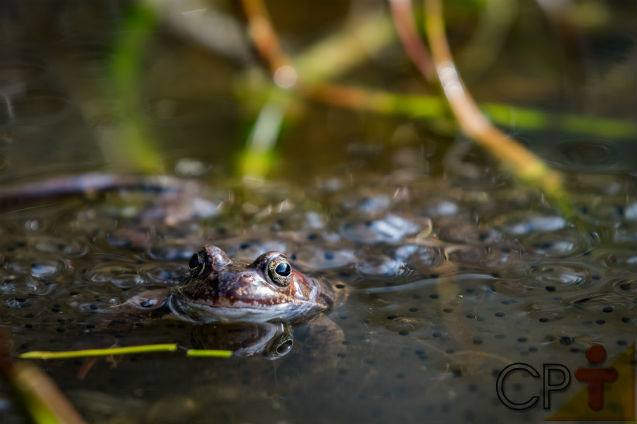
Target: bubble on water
column 172, row 251
column 402, row 324
column 443, row 208
column 251, row 248
column 605, row 212
column 630, row 211
column 454, row 232
column 203, row 208
column 563, row 243
column 373, row 205
column 553, row 277
column 7, row 283
column 600, row 303
column 34, row 286
column 169, row 274
column 535, row 223
column 504, row 255
column 32, row 225
column 405, row 251
column 467, row 255
column 587, row 153
column 316, row 258
column 625, row 234
column 419, row 257
column 314, row 220
column 391, row 229
column 16, row 303
column 189, row 167
column 623, row 286
column 382, row 266
column 76, row 247
column 130, row 237
column 37, row 266
column 120, row 275
column 43, row 269
column 617, row 258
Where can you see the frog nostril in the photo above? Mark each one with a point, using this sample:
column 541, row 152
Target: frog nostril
column 194, row 261
column 148, row 303
column 197, row 263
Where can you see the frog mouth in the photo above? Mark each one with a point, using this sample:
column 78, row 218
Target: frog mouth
column 202, row 313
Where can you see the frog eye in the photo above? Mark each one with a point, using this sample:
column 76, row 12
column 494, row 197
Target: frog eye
column 196, row 263
column 280, row 347
column 279, row 271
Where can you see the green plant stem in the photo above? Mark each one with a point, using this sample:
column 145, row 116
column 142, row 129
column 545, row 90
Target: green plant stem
column 132, row 145
column 328, row 58
column 435, row 107
column 521, row 162
column 99, row 352
column 86, row 353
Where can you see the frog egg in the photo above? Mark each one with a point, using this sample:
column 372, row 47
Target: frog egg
column 317, row 258
column 390, row 229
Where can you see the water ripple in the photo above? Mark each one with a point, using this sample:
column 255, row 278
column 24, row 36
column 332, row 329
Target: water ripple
column 617, row 258
column 563, row 243
column 121, row 275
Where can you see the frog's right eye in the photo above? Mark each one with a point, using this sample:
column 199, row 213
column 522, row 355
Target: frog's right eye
column 279, row 271
column 196, row 263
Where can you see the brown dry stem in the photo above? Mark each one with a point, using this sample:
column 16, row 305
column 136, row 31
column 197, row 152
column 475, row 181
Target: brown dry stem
column 403, row 16
column 263, row 35
column 521, row 162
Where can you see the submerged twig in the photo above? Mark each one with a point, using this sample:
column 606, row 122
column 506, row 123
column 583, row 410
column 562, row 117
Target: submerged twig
column 521, row 162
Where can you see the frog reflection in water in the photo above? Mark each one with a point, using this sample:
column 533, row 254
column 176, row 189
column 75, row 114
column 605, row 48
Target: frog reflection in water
column 261, row 297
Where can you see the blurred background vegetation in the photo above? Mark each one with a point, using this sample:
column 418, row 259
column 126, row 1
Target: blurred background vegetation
column 154, row 86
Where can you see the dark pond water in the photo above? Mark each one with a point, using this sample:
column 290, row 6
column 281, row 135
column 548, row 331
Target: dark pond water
column 453, row 270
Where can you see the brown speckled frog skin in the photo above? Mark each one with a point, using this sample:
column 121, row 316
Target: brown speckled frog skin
column 266, row 289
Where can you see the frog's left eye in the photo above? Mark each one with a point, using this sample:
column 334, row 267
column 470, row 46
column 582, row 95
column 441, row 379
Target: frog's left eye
column 196, row 263
column 279, row 271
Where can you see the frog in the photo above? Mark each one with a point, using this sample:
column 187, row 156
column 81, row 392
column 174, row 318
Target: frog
column 242, row 293
column 220, row 289
column 249, row 306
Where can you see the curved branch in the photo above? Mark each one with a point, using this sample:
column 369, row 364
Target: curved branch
column 520, row 161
